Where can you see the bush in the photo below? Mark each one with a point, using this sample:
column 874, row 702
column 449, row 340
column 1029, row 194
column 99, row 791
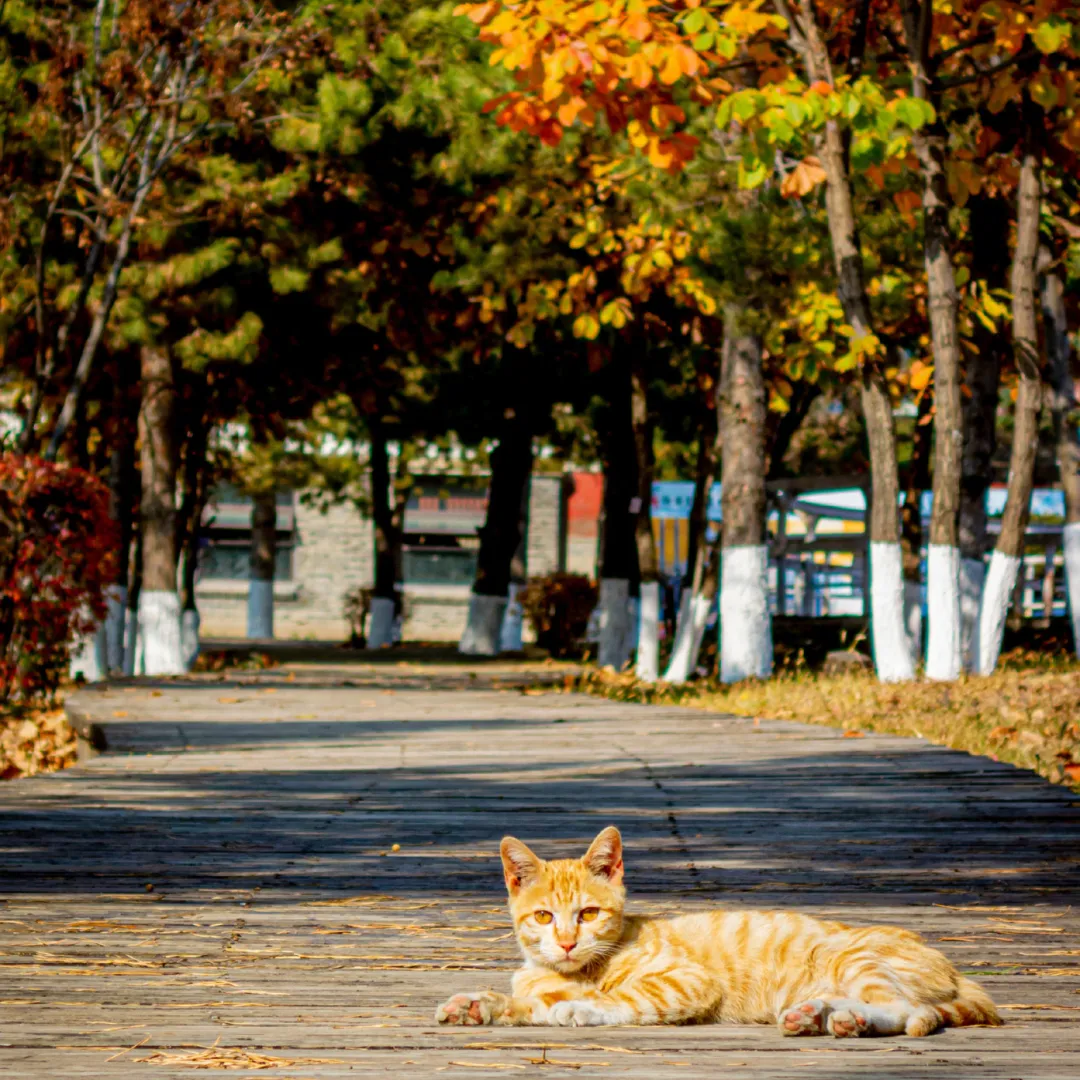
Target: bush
column 57, row 556
column 558, row 606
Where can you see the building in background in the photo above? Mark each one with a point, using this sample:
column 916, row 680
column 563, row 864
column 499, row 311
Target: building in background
column 322, row 556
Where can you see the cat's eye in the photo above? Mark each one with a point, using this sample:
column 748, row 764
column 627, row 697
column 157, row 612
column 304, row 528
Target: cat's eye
column 543, row 917
column 588, row 914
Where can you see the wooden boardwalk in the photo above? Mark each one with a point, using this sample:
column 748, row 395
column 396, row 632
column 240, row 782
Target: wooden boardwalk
column 295, row 866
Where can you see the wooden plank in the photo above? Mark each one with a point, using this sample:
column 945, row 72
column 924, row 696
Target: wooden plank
column 263, row 810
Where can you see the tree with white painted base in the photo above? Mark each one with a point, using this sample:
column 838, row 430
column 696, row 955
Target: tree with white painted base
column 500, row 535
column 699, row 589
column 988, row 228
column 618, row 548
column 892, row 655
column 260, row 610
column 930, row 142
column 123, row 496
column 647, row 665
column 159, row 604
column 1008, row 553
column 745, row 625
column 1062, row 400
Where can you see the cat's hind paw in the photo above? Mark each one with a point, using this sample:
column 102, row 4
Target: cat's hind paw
column 807, row 1018
column 848, row 1021
column 472, row 1010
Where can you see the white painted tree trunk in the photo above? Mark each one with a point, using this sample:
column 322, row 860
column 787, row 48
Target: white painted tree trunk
column 115, row 620
column 972, row 577
column 688, row 639
column 682, row 616
column 189, row 636
column 745, row 625
column 913, row 619
column 616, row 629
column 381, row 632
column 943, row 657
column 997, row 591
column 131, row 641
column 892, row 650
column 1071, row 543
column 159, row 633
column 647, row 667
column 260, row 611
column 89, row 658
column 510, row 639
column 481, row 636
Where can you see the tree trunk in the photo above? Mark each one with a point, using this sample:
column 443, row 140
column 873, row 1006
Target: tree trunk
column 190, row 532
column 384, row 593
column 159, row 605
column 892, row 655
column 513, row 624
column 943, row 649
column 647, row 667
column 1062, row 402
column 989, row 228
column 745, row 626
column 618, row 550
column 1009, row 552
column 260, row 615
column 694, row 605
column 132, row 638
column 911, row 527
column 511, row 466
column 122, row 496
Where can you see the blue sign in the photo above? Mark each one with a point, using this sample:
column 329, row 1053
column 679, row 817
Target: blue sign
column 674, row 500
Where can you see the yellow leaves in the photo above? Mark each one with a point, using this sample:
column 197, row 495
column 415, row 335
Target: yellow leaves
column 745, row 19
column 616, row 313
column 803, row 178
column 1044, row 90
column 586, row 326
column 778, row 403
column 478, row 13
column 637, row 26
column 680, row 60
column 638, row 70
column 920, row 376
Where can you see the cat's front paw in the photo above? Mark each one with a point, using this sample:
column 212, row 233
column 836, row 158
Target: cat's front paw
column 472, row 1010
column 577, row 1014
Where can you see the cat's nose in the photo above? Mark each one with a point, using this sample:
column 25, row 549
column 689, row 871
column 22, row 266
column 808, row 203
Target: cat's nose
column 569, row 948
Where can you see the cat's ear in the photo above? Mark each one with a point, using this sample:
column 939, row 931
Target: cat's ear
column 520, row 865
column 604, row 857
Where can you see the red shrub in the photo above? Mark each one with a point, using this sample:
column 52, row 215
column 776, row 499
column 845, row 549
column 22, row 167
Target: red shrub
column 57, row 555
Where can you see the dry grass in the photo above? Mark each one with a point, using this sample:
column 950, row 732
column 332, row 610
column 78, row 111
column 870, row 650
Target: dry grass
column 35, row 741
column 229, row 1057
column 1027, row 713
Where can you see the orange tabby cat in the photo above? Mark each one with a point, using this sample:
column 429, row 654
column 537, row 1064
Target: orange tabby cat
column 588, row 963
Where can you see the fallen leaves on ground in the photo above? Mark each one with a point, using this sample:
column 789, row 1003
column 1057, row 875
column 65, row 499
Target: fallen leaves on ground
column 229, row 1057
column 1028, row 717
column 35, row 741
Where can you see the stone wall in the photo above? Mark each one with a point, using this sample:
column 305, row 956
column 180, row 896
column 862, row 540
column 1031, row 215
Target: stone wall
column 545, row 543
column 334, row 553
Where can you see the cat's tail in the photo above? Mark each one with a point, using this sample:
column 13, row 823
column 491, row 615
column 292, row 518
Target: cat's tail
column 972, row 1005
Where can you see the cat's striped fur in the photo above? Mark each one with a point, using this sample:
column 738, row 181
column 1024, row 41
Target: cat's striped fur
column 586, row 962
